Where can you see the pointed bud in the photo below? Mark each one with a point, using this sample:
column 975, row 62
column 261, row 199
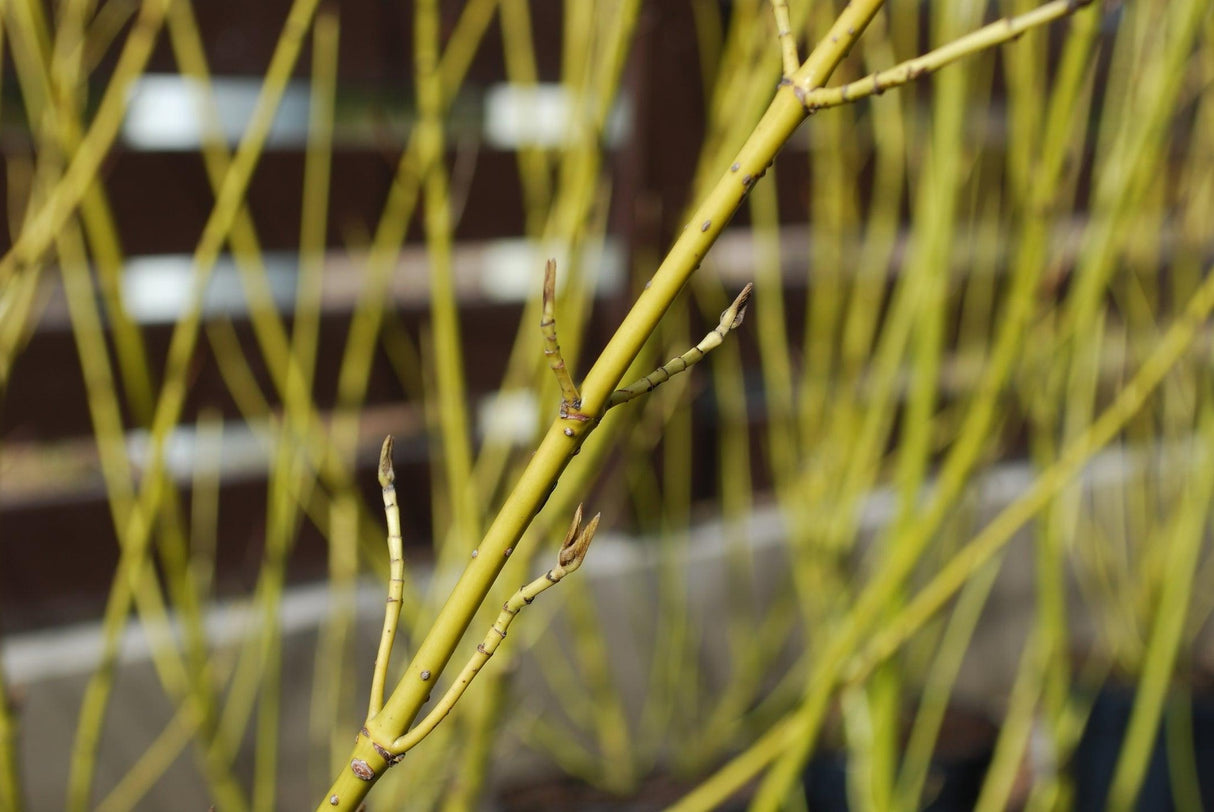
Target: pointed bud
column 732, row 317
column 573, row 553
column 386, row 475
column 571, row 536
column 549, row 286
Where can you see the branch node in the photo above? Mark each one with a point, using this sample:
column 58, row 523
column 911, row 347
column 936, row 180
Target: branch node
column 572, row 553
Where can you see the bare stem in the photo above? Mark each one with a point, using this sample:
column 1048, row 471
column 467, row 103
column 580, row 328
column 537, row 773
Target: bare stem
column 552, row 350
column 572, row 553
column 788, row 43
column 730, row 319
column 396, row 579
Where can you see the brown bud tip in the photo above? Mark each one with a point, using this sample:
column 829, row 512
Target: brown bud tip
column 573, row 553
column 574, row 527
column 386, row 475
column 732, row 317
column 549, row 283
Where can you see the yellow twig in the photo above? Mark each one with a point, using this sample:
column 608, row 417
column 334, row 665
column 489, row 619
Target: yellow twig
column 572, row 553
column 450, row 391
column 396, row 579
column 997, row 33
column 731, row 318
column 552, row 350
column 788, row 43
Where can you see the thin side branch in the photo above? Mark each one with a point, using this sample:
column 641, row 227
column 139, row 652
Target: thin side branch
column 788, row 43
column 552, row 350
column 997, row 33
column 396, row 579
column 730, row 319
column 572, row 553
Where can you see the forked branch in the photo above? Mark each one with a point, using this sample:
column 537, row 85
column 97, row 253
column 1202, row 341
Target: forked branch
column 572, row 553
column 731, row 318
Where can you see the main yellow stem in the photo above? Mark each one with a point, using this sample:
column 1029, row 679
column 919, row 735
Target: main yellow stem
column 566, row 434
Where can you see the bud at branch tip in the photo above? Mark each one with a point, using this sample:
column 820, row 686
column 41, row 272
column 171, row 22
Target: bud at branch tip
column 386, row 475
